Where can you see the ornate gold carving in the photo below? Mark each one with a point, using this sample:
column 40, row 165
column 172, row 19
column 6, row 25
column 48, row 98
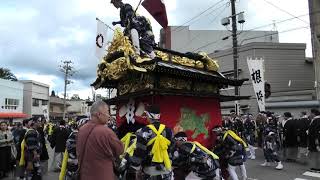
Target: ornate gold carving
column 172, row 83
column 135, row 84
column 205, row 87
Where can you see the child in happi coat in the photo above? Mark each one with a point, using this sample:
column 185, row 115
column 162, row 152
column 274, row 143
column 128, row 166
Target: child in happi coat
column 270, row 150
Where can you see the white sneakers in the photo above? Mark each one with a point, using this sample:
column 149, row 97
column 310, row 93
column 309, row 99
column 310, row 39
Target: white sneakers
column 267, row 164
column 279, row 166
column 252, row 157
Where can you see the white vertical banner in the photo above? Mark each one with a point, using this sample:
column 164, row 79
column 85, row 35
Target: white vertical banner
column 45, row 111
column 256, row 69
column 101, row 39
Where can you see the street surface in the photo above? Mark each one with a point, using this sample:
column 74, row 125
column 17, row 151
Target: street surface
column 291, row 171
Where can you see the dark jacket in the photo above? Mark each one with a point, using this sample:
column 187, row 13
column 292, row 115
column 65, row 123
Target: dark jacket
column 44, row 152
column 196, row 160
column 302, row 126
column 18, row 138
column 249, row 131
column 141, row 156
column 314, row 134
column 290, row 134
column 59, row 139
column 235, row 151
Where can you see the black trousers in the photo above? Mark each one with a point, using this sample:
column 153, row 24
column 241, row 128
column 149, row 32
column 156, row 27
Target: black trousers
column 5, row 159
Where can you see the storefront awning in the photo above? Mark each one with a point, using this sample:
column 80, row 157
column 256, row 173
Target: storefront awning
column 12, row 115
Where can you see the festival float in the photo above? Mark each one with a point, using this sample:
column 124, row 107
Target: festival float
column 185, row 86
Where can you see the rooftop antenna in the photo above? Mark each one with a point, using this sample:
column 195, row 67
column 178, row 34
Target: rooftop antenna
column 274, row 28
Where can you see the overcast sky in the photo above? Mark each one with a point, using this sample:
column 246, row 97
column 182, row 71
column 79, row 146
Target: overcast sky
column 36, row 35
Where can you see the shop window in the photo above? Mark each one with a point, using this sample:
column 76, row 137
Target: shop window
column 11, row 104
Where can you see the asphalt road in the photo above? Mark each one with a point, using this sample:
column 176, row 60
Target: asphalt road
column 291, row 171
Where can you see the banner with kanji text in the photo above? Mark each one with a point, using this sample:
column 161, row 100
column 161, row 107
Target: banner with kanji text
column 256, row 69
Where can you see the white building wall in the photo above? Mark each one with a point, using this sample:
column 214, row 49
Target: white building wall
column 11, row 90
column 38, row 91
column 186, row 40
column 27, row 101
column 78, row 106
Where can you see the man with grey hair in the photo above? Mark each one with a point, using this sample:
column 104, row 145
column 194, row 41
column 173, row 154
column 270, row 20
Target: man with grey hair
column 97, row 145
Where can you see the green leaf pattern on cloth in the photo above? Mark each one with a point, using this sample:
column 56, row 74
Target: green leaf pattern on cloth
column 189, row 120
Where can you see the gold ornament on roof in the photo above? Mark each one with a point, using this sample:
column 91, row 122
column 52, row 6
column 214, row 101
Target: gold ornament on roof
column 114, row 69
column 212, row 64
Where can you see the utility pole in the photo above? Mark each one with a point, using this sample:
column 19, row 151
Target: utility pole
column 314, row 6
column 68, row 71
column 235, row 44
column 226, row 22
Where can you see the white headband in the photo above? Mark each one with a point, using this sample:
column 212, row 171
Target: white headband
column 152, row 115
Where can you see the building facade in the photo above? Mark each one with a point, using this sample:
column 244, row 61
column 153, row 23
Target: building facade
column 56, row 107
column 183, row 39
column 78, row 107
column 35, row 95
column 11, row 100
column 289, row 72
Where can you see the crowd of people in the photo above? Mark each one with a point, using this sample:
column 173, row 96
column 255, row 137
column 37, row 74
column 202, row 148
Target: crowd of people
column 293, row 139
column 95, row 149
column 23, row 149
column 151, row 152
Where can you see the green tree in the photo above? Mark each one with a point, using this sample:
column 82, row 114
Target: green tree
column 75, row 97
column 7, row 74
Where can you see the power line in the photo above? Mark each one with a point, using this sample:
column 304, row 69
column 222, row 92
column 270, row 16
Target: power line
column 197, row 15
column 247, row 31
column 279, row 22
column 209, row 23
column 207, row 45
column 284, row 11
column 289, row 30
column 205, row 15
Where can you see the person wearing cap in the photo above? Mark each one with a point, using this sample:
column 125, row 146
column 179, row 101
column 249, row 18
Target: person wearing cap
column 138, row 28
column 314, row 140
column 197, row 161
column 271, row 148
column 154, row 147
column 289, row 137
column 232, row 148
